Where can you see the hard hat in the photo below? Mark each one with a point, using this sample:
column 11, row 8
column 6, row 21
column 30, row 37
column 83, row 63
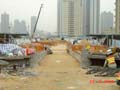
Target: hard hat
column 109, row 51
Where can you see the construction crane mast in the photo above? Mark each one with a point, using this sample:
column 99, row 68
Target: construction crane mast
column 37, row 20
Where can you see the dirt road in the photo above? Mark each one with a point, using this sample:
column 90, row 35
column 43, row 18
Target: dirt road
column 58, row 71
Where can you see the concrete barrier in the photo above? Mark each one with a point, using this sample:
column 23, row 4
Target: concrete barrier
column 35, row 60
column 82, row 58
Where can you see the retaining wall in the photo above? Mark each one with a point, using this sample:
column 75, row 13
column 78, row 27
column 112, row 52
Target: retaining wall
column 82, row 58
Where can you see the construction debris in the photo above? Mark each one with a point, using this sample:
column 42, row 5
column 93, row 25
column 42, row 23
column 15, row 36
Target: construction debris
column 3, row 63
column 102, row 71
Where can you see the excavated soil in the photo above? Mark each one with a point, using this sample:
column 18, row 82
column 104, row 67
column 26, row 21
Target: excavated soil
column 58, row 71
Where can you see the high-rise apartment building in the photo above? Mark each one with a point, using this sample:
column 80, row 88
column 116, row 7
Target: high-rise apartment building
column 86, row 17
column 16, row 26
column 91, row 16
column 106, row 21
column 20, row 27
column 5, row 28
column 117, row 17
column 70, row 18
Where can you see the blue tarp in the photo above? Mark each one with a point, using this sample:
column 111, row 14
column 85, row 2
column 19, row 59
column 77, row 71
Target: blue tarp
column 9, row 48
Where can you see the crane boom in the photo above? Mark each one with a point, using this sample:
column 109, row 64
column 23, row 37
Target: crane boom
column 37, row 20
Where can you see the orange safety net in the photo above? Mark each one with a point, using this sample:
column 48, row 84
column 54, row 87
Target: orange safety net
column 98, row 49
column 37, row 46
column 77, row 47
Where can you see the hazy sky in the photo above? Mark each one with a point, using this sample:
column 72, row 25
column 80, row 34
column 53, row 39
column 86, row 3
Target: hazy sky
column 24, row 9
column 108, row 5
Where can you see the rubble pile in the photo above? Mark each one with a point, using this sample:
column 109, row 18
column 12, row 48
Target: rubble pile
column 102, row 71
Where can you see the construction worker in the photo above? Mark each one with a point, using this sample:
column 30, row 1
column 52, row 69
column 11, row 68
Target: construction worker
column 110, row 59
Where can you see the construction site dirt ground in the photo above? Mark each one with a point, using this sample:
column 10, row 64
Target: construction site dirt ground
column 58, row 71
